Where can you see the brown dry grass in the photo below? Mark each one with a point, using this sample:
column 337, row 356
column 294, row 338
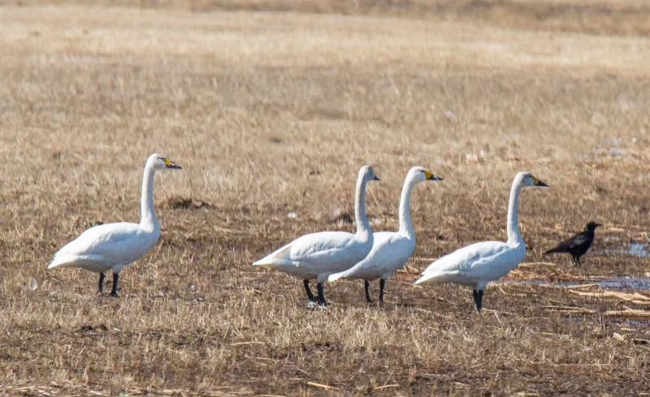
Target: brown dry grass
column 273, row 112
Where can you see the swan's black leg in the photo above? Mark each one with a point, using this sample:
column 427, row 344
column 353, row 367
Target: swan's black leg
column 310, row 296
column 116, row 277
column 382, row 284
column 366, row 285
column 321, row 297
column 101, row 283
column 478, row 299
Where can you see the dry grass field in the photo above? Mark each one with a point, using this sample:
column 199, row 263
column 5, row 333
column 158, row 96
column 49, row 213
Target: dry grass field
column 271, row 107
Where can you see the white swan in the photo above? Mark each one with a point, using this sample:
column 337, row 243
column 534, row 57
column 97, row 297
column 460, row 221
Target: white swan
column 390, row 250
column 115, row 245
column 317, row 255
column 478, row 264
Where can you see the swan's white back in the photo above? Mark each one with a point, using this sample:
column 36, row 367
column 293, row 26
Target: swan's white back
column 475, row 265
column 105, row 246
column 317, row 255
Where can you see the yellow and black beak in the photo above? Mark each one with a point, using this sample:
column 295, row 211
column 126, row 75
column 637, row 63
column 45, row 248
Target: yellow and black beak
column 539, row 183
column 170, row 164
column 431, row 177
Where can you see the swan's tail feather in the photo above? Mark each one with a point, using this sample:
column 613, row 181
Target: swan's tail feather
column 59, row 261
column 87, row 262
column 275, row 258
column 53, row 265
column 263, row 262
column 424, row 278
column 435, row 277
column 336, row 276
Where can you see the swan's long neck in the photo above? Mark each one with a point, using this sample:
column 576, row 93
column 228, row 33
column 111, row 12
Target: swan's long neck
column 514, row 234
column 405, row 223
column 363, row 226
column 148, row 218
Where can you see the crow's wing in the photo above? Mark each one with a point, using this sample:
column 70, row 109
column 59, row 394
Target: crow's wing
column 572, row 243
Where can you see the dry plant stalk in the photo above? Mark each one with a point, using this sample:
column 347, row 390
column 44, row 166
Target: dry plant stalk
column 628, row 313
column 321, row 386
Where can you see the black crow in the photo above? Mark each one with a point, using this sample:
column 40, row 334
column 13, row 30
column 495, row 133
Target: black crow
column 578, row 244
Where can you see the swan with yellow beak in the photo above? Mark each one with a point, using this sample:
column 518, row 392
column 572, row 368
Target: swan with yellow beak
column 478, row 264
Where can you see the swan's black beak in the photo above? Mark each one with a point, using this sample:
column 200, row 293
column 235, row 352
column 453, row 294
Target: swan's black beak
column 374, row 178
column 171, row 165
column 431, row 177
column 539, row 183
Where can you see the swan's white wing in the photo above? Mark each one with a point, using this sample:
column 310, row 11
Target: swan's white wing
column 475, row 264
column 389, row 252
column 498, row 264
column 316, row 253
column 313, row 248
column 109, row 244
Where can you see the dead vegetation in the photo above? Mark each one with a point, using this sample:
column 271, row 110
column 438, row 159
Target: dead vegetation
column 270, row 114
column 613, row 17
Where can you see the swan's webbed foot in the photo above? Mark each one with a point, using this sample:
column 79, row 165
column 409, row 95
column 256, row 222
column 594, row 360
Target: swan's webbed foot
column 100, row 290
column 366, row 285
column 478, row 299
column 322, row 304
column 116, row 277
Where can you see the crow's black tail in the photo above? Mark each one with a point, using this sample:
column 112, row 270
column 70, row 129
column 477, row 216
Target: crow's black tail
column 553, row 251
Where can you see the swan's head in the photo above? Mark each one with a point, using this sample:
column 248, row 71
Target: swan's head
column 420, row 174
column 160, row 162
column 528, row 179
column 591, row 226
column 367, row 173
